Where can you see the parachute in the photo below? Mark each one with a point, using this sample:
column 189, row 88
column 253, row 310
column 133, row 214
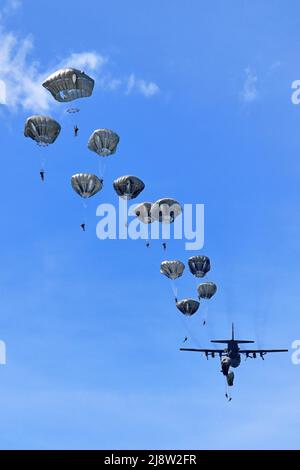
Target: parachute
column 128, row 187
column 69, row 84
column 199, row 265
column 43, row 129
column 143, row 212
column 172, row 269
column 188, row 306
column 225, row 364
column 206, row 290
column 86, row 184
column 103, row 142
column 165, row 210
column 230, row 378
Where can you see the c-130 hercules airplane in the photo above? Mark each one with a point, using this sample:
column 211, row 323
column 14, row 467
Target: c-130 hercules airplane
column 231, row 356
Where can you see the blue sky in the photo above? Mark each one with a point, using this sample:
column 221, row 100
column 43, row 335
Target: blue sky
column 200, row 95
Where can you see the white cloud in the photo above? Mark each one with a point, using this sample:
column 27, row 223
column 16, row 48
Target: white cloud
column 23, row 76
column 148, row 88
column 84, row 60
column 113, row 84
column 276, row 65
column 9, row 7
column 249, row 92
column 141, row 86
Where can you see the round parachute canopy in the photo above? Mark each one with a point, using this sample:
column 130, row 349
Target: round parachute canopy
column 188, row 306
column 43, row 129
column 69, row 84
column 172, row 269
column 143, row 212
column 165, row 210
column 104, row 142
column 206, row 290
column 199, row 265
column 230, row 378
column 86, row 184
column 128, row 187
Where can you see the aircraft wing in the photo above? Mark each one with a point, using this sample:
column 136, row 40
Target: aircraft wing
column 207, row 352
column 261, row 351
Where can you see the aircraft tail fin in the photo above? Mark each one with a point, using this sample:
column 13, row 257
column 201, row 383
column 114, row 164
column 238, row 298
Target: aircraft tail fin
column 226, row 341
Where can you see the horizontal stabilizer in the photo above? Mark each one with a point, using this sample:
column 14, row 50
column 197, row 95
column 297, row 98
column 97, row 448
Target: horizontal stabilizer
column 226, row 341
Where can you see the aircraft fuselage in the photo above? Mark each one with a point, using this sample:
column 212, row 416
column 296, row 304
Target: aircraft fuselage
column 233, row 354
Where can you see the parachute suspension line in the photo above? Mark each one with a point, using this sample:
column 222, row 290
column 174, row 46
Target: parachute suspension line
column 189, row 331
column 148, row 236
column 205, row 313
column 83, row 224
column 72, row 112
column 174, row 288
column 102, row 168
column 227, row 391
column 43, row 160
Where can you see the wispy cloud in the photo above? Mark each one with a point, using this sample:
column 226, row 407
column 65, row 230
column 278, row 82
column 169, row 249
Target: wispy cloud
column 276, row 64
column 249, row 92
column 23, row 75
column 87, row 60
column 147, row 89
column 9, row 7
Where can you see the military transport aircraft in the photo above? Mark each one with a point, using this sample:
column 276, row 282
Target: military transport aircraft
column 231, row 355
